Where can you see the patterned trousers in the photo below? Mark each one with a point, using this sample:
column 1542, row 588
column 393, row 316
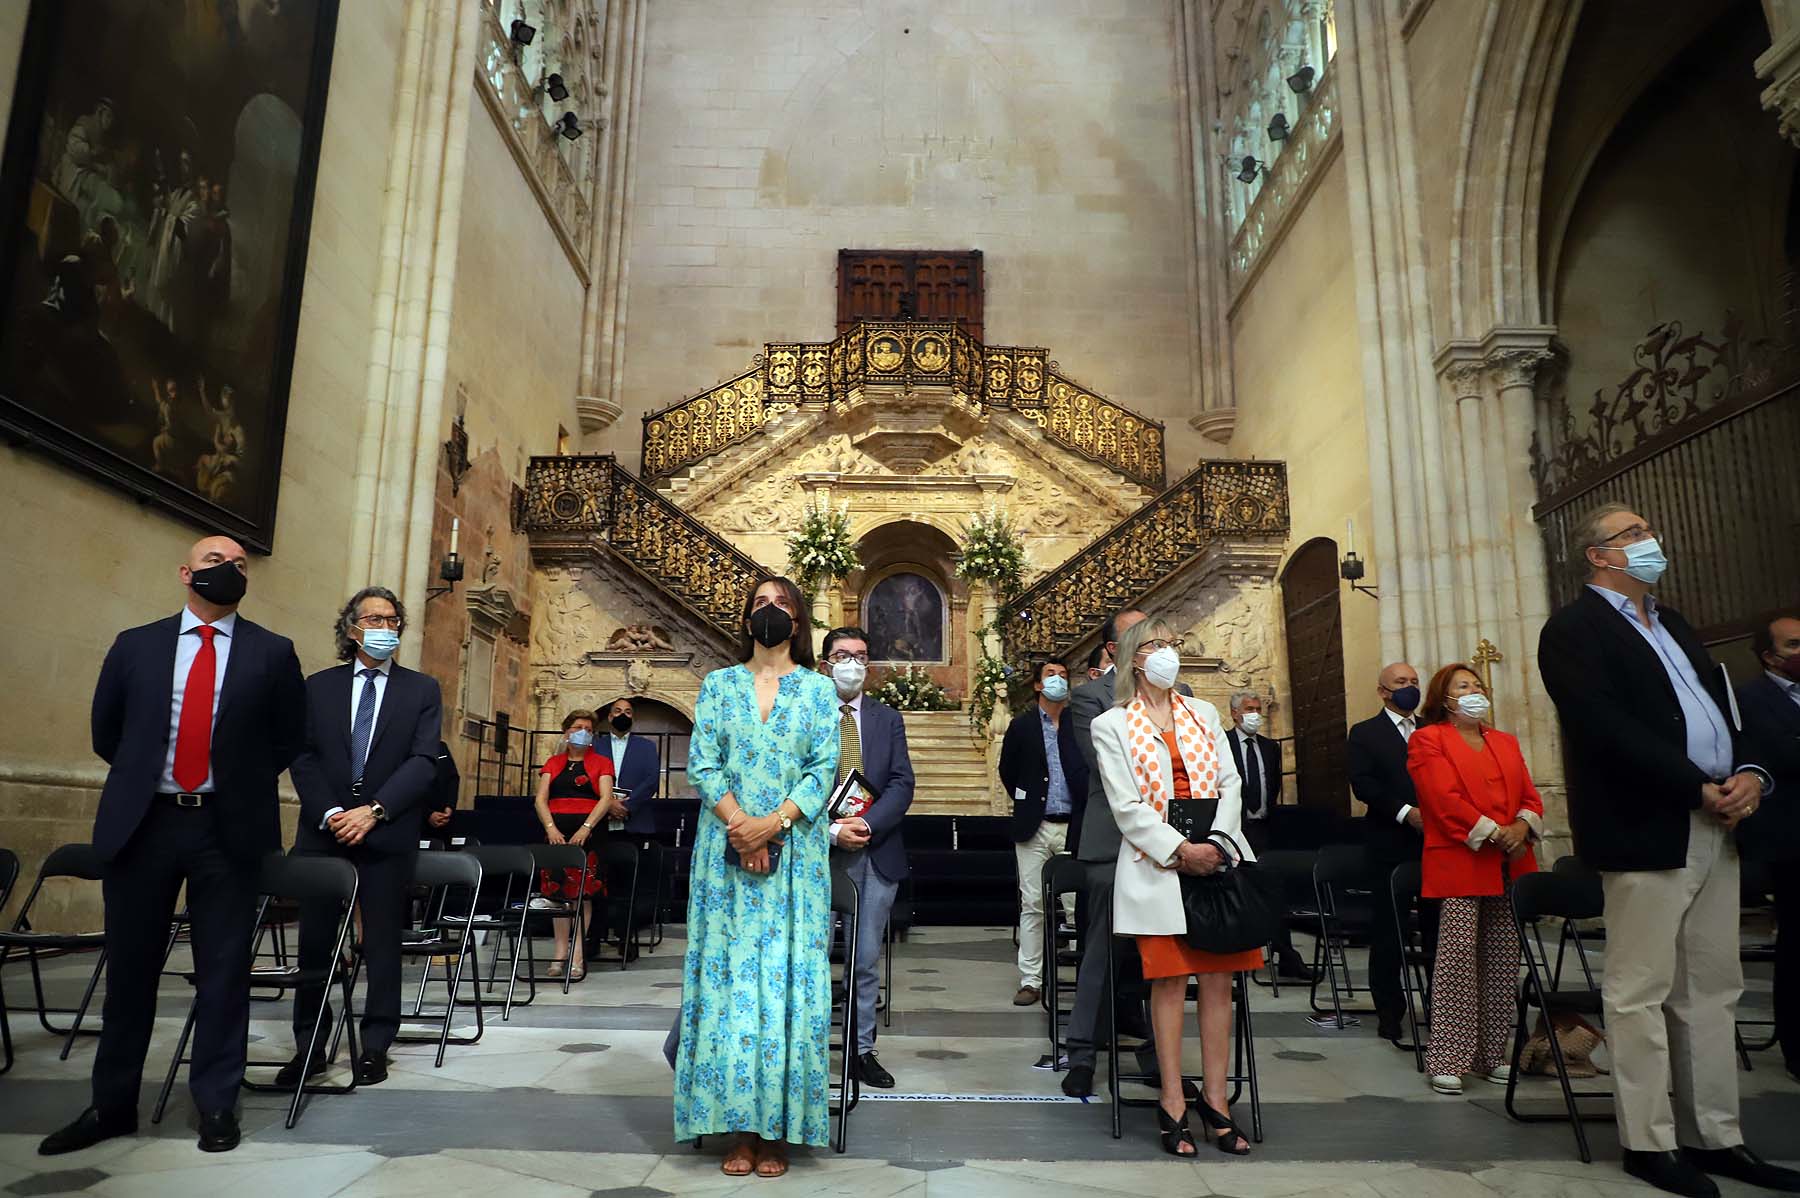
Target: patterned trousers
column 1474, row 987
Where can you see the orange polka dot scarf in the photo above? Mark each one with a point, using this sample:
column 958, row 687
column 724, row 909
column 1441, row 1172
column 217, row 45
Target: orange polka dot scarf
column 1199, row 756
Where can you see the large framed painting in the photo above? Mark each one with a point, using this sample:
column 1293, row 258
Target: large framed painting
column 157, row 197
column 905, row 616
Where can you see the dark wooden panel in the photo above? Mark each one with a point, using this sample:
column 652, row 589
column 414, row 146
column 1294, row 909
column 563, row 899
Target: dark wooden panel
column 1315, row 641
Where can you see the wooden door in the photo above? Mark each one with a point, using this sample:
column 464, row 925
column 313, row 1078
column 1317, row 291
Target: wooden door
column 926, row 284
column 1315, row 643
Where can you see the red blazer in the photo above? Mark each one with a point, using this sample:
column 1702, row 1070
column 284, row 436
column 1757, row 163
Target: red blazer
column 1454, row 796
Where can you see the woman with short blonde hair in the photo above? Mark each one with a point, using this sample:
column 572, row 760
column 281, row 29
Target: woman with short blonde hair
column 1157, row 747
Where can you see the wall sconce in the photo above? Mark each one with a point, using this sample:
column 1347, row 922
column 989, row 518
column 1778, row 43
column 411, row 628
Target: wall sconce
column 569, row 126
column 1301, row 81
column 1250, row 168
column 557, row 89
column 1278, row 127
column 1351, row 568
column 450, row 569
column 522, row 32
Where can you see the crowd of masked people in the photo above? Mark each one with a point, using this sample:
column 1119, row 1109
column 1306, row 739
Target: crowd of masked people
column 1671, row 778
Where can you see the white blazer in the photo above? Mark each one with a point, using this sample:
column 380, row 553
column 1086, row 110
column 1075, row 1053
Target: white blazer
column 1146, row 887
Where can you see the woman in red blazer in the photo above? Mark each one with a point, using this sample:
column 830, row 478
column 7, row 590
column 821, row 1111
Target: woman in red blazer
column 1482, row 816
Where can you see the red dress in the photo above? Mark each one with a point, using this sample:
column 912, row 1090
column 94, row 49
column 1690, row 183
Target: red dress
column 573, row 789
column 1173, row 956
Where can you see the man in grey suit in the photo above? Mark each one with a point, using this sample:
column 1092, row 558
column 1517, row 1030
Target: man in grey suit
column 1098, row 850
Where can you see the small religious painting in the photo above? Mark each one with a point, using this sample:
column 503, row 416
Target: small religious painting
column 157, row 196
column 904, row 614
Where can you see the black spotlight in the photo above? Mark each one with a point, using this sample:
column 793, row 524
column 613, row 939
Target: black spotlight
column 1278, row 128
column 1301, row 81
column 1248, row 172
column 559, row 91
column 569, row 126
column 522, row 32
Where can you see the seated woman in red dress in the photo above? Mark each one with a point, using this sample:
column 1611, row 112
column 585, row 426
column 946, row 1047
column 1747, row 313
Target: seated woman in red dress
column 574, row 795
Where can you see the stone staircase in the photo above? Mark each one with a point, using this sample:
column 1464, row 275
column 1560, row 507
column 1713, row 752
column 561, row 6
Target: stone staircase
column 951, row 769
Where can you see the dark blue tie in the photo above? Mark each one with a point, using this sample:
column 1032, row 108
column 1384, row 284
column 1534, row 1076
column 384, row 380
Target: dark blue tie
column 364, row 725
column 1252, row 776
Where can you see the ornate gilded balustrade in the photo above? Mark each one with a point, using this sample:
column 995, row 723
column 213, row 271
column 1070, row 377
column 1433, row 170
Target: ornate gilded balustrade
column 593, row 496
column 1219, row 499
column 906, row 353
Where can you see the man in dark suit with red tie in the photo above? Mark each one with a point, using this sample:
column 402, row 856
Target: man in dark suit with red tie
column 196, row 715
column 366, row 780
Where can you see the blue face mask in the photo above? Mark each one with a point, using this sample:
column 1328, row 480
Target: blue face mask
column 380, row 643
column 1644, row 560
column 1056, row 688
column 581, row 738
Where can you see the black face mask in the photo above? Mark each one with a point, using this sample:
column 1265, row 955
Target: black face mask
column 621, row 724
column 1406, row 698
column 771, row 626
column 223, row 584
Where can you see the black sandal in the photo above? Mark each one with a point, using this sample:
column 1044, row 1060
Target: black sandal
column 1175, row 1134
column 1228, row 1135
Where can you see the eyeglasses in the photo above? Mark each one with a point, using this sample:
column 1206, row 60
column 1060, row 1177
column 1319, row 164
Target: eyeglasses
column 378, row 622
column 1152, row 646
column 843, row 655
column 1632, row 535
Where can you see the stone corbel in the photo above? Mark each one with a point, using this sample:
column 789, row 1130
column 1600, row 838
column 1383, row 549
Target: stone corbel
column 493, row 611
column 1780, row 65
column 596, row 414
column 1215, row 424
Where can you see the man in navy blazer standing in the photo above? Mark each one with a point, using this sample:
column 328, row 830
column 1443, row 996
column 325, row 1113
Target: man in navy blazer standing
column 366, row 781
column 637, row 775
column 197, row 715
column 872, row 738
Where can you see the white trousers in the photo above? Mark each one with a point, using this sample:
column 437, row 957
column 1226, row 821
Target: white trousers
column 1671, row 990
column 1045, row 843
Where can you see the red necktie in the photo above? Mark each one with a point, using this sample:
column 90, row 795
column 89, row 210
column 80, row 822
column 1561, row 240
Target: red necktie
column 193, row 738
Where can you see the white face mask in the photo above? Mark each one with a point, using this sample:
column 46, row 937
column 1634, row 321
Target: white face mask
column 1163, row 667
column 849, row 676
column 1474, row 705
column 1056, row 688
column 1252, row 722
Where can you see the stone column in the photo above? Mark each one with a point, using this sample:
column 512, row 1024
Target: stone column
column 1215, row 413
column 1780, row 66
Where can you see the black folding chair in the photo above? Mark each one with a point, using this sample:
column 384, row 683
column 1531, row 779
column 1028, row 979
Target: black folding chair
column 555, row 859
column 1757, row 893
column 77, row 861
column 1415, row 955
column 899, row 919
column 1341, row 891
column 1292, row 871
column 9, row 876
column 1243, row 1071
column 1062, row 874
column 511, row 867
column 1536, row 897
column 445, row 938
column 297, row 879
column 845, row 906
column 1574, row 933
column 619, row 858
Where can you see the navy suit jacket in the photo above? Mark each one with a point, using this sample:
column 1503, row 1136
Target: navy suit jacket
column 888, row 767
column 401, row 770
column 640, row 773
column 1025, row 767
column 258, row 728
column 1772, row 732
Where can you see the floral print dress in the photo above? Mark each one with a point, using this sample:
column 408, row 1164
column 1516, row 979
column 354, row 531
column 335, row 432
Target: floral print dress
column 756, row 985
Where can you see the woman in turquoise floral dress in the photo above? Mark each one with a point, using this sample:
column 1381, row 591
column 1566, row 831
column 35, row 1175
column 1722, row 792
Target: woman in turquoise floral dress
column 756, row 987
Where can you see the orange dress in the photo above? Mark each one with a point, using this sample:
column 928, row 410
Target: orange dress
column 1173, row 956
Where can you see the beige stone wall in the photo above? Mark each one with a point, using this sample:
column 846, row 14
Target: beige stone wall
column 1047, row 136
column 1297, row 360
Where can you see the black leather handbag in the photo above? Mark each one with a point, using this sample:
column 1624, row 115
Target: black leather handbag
column 1233, row 909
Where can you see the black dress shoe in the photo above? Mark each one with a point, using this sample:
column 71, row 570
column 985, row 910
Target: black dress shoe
column 371, row 1071
column 1293, row 969
column 90, row 1128
column 1671, row 1173
column 289, row 1074
column 870, row 1072
column 1079, row 1081
column 219, row 1131
column 1741, row 1164
column 1390, row 1031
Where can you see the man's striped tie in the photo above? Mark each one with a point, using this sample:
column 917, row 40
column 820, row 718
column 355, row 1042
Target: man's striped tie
column 849, row 743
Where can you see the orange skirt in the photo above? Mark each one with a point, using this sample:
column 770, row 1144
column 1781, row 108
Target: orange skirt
column 1174, row 957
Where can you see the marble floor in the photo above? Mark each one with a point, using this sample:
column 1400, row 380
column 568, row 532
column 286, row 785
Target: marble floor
column 571, row 1098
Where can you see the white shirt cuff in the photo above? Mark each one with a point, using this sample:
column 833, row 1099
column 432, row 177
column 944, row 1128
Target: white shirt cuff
column 1479, row 834
column 1533, row 821
column 326, row 822
column 832, row 832
column 1405, row 808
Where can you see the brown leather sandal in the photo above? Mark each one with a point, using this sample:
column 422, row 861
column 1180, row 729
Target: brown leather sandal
column 740, row 1161
column 771, row 1159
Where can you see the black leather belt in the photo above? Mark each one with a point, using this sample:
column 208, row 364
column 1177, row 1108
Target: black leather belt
column 185, row 799
column 1056, row 819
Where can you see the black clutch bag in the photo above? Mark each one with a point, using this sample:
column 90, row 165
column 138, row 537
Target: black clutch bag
column 1232, row 909
column 1193, row 818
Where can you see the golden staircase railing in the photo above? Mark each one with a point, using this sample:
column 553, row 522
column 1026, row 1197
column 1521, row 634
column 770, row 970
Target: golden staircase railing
column 1221, row 498
column 907, row 353
column 569, row 500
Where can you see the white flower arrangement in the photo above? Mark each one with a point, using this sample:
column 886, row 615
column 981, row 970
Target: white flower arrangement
column 992, row 550
column 910, row 688
column 822, row 551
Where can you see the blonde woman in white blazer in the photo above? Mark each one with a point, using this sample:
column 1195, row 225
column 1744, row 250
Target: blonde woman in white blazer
column 1155, row 746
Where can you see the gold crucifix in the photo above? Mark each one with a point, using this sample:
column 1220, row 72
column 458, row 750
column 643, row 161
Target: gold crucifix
column 1483, row 658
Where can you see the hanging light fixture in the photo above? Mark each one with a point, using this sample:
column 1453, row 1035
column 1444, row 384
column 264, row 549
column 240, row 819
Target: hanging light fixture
column 569, row 126
column 523, row 32
column 556, row 88
column 1301, row 81
column 1249, row 170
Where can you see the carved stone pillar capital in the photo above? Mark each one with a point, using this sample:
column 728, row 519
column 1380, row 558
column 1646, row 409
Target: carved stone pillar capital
column 1780, row 65
column 596, row 414
column 1465, row 379
column 1518, row 368
column 1215, row 424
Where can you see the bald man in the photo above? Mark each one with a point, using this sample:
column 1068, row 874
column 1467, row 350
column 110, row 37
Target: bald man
column 1375, row 757
column 197, row 715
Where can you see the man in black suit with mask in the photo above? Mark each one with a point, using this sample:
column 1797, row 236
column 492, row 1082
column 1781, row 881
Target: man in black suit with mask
column 1375, row 757
column 197, row 715
column 366, row 781
column 1258, row 761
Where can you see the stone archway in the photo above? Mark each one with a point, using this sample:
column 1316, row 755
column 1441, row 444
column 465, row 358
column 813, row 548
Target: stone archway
column 908, row 598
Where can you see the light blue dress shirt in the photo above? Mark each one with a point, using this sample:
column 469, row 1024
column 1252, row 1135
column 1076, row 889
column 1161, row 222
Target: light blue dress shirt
column 1708, row 735
column 1056, row 799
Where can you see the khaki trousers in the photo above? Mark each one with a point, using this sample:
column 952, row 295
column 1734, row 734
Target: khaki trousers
column 1049, row 840
column 1670, row 991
